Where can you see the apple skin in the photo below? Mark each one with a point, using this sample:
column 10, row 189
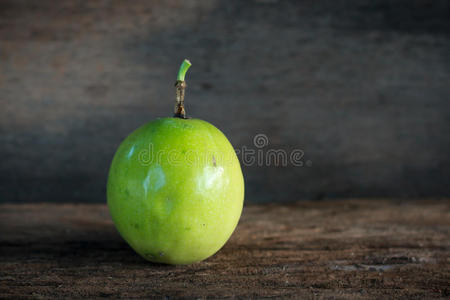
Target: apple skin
column 175, row 190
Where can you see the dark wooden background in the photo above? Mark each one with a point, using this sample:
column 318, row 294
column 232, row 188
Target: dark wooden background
column 362, row 87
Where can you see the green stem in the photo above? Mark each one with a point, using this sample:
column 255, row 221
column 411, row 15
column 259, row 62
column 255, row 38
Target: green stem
column 183, row 69
column 180, row 86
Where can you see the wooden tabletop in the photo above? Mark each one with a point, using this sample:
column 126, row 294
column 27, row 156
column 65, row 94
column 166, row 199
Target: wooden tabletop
column 346, row 248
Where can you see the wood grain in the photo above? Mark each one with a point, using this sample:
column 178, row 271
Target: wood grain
column 349, row 248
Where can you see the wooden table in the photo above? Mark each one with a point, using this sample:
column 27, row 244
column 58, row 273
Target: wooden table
column 347, row 248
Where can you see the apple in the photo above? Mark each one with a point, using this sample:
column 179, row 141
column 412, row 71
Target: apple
column 175, row 187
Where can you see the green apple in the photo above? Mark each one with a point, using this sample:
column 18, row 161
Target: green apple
column 175, row 187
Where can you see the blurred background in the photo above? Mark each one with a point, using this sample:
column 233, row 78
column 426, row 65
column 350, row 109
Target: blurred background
column 361, row 86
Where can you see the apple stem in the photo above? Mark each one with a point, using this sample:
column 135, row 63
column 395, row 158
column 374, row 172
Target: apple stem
column 180, row 86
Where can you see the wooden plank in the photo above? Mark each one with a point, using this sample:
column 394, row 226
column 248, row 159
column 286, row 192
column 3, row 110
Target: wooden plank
column 360, row 86
column 349, row 248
